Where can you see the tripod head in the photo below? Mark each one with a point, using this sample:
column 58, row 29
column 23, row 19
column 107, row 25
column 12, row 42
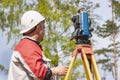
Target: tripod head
column 82, row 31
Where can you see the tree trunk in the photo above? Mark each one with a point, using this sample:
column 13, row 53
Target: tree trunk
column 114, row 41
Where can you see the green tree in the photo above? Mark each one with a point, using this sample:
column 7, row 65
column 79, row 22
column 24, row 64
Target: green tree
column 110, row 30
column 10, row 11
column 2, row 68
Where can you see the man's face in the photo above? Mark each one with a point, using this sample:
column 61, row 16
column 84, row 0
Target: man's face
column 41, row 33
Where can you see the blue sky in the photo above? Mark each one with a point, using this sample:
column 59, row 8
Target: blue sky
column 5, row 54
column 5, row 49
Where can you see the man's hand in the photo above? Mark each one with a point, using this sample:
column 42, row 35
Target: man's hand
column 59, row 70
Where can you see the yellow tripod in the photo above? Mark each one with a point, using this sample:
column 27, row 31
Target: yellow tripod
column 86, row 54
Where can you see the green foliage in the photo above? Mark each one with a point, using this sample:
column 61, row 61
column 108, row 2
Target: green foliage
column 107, row 60
column 10, row 13
column 117, row 8
column 2, row 68
column 57, row 40
column 58, row 17
column 106, row 30
column 108, row 56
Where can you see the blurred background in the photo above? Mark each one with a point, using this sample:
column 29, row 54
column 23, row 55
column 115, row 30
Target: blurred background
column 105, row 17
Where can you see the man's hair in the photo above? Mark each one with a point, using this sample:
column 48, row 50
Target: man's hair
column 29, row 32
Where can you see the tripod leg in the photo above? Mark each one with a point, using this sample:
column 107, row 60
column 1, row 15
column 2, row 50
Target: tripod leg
column 71, row 65
column 97, row 75
column 87, row 68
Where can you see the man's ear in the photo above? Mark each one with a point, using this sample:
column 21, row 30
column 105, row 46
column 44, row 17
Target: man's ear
column 38, row 28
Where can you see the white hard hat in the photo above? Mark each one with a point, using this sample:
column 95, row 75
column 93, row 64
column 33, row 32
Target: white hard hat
column 29, row 20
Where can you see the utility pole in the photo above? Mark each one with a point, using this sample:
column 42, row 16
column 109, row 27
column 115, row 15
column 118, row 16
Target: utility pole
column 114, row 40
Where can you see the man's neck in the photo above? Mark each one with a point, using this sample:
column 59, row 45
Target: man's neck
column 32, row 38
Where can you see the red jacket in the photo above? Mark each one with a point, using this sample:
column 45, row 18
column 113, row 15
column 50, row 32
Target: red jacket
column 32, row 54
column 27, row 53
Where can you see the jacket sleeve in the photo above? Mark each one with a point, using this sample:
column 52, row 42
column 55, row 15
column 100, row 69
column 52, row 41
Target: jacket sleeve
column 48, row 74
column 33, row 58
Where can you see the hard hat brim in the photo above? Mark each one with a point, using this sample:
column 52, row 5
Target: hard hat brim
column 26, row 30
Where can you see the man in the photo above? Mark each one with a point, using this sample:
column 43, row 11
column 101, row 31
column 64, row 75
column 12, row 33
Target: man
column 28, row 61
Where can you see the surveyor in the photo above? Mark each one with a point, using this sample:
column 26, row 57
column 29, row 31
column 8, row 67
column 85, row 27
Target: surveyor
column 28, row 61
